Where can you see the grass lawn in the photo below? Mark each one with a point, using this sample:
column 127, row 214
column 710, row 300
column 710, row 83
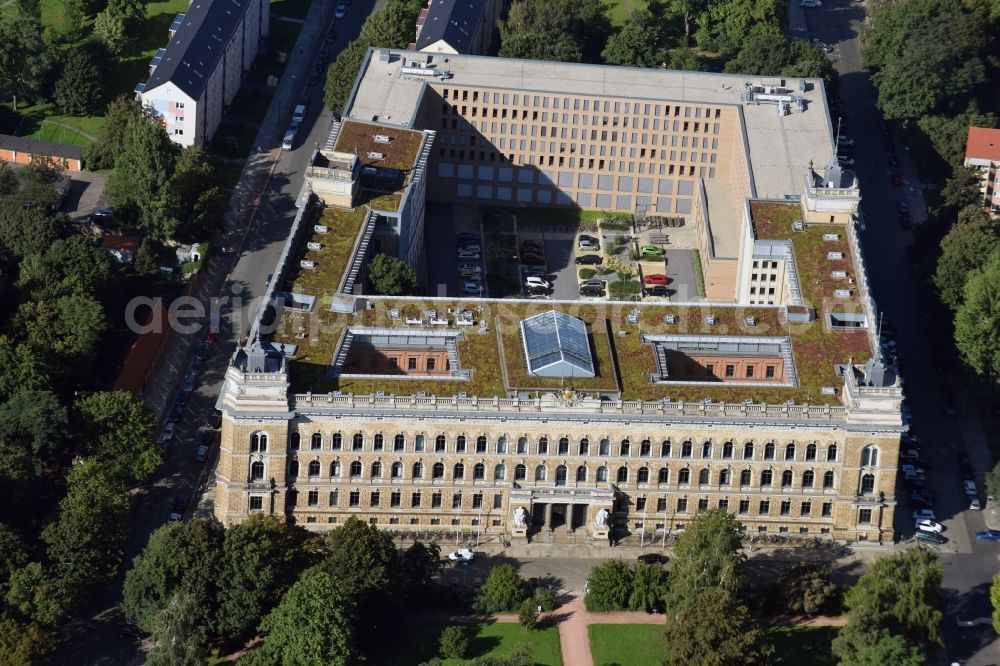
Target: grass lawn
column 620, row 9
column 803, row 645
column 414, row 643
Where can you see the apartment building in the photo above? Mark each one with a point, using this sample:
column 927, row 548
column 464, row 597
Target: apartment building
column 195, row 78
column 458, row 26
column 573, row 423
column 982, row 153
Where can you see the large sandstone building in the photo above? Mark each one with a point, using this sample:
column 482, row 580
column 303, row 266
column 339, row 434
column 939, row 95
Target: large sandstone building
column 570, row 421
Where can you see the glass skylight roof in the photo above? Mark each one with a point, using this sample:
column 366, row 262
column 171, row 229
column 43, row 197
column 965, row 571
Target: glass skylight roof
column 556, row 345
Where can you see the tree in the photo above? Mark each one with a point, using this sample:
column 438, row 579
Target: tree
column 341, row 74
column 961, row 190
column 688, row 9
column 993, row 481
column 69, row 328
column 25, row 60
column 145, row 262
column 313, row 624
column 13, row 556
column 35, row 419
column 20, row 369
column 898, row 596
column 454, row 642
column 977, row 320
column 705, row 556
column 649, row 585
column 177, row 638
column 948, row 133
column 195, row 202
column 564, row 30
column 143, row 168
column 764, row 52
column 118, row 430
column 714, row 629
column 261, row 558
column 995, row 590
column 24, row 644
column 391, row 276
column 964, row 249
column 81, row 85
column 527, row 614
column 419, row 568
column 121, row 112
column 609, row 586
column 182, row 557
column 36, row 595
column 637, row 44
column 685, row 58
column 25, row 231
column 116, row 25
column 875, row 648
column 502, row 592
column 807, row 588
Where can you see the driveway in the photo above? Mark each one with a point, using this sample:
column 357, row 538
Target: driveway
column 86, row 194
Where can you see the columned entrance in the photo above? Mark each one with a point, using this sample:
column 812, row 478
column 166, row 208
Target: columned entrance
column 559, row 511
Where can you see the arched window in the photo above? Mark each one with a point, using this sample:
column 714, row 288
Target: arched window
column 604, row 449
column 520, row 472
column 501, row 445
column 828, row 480
column 418, row 470
column 522, row 444
column 584, row 447
column 581, row 474
column 355, row 469
column 398, row 443
column 624, row 448
column 379, row 442
column 358, row 442
column 418, row 443
column 602, row 473
column 563, row 446
column 725, row 477
column 540, row 473
column 396, row 471
column 314, row 468
column 811, row 452
column 437, row 471
column 869, row 456
column 643, row 475
column 335, row 468
column 543, row 445
column 746, row 477
column 561, row 473
column 663, row 476
column 258, row 442
column 376, row 470
column 440, row 444
column 686, row 449
column 338, row 441
column 316, row 442
column 748, row 451
column 790, row 452
column 622, row 476
column 481, row 444
column 479, row 472
column 684, row 476
column 256, row 470
column 706, row 450
column 808, row 478
column 645, row 448
column 727, row 450
column 458, row 471
column 665, row 449
column 765, row 478
column 293, row 441
column 499, row 472
column 293, row 469
column 703, row 476
column 831, row 452
column 867, row 484
column 786, row 479
column 769, row 451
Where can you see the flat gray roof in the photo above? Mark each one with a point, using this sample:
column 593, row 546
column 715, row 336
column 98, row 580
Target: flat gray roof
column 780, row 147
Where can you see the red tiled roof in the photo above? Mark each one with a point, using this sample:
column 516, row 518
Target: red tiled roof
column 983, row 143
column 116, row 242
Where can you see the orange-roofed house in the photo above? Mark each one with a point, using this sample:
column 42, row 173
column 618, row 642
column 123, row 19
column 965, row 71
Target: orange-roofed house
column 982, row 153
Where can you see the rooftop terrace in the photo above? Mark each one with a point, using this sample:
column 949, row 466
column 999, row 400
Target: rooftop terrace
column 399, row 150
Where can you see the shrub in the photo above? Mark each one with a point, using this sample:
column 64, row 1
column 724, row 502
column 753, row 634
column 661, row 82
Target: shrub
column 528, row 614
column 808, row 588
column 624, row 290
column 609, row 586
column 503, row 591
column 587, row 273
column 454, row 642
column 545, row 598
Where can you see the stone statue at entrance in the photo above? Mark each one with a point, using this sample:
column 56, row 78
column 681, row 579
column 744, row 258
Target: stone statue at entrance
column 520, row 517
column 601, row 519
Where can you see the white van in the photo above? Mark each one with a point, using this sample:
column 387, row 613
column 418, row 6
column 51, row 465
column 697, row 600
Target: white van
column 289, row 139
column 299, row 114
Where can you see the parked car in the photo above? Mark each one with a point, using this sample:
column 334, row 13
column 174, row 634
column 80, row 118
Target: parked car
column 469, row 255
column 469, row 270
column 167, row 433
column 536, row 281
column 974, row 504
column 841, row 140
column 931, row 537
column 810, row 4
column 988, row 535
column 175, row 414
column 472, row 288
column 588, row 245
column 656, row 290
column 655, row 278
column 845, row 160
column 592, row 290
column 201, row 454
column 903, row 205
column 589, row 259
column 538, row 291
column 593, row 282
column 924, row 514
column 470, row 247
column 896, row 179
column 532, row 246
column 651, row 252
column 339, row 11
column 904, row 219
column 299, row 114
column 216, row 421
column 532, row 259
column 462, row 555
column 466, row 236
column 929, row 526
column 181, row 503
column 207, row 437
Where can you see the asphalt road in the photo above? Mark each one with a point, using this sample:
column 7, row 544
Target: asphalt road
column 93, row 639
column 969, row 565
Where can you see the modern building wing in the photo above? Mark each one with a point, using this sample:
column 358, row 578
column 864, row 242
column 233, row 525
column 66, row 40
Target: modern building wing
column 557, row 345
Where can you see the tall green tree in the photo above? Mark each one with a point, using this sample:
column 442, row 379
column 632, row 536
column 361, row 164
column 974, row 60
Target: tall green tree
column 177, row 638
column 13, row 556
column 391, row 276
column 706, row 556
column 20, row 369
column 143, row 168
column 948, row 134
column 807, row 588
column 637, row 44
column 960, row 190
column 564, row 30
column 313, row 624
column 195, row 201
column 649, row 586
column 419, row 568
column 37, row 421
column 765, row 51
column 964, row 249
column 261, row 558
column 25, row 59
column 38, row 596
column 898, row 597
column 995, row 601
column 80, row 87
column 609, row 586
column 184, row 557
column 118, row 431
column 977, row 320
column 24, row 644
column 116, row 25
column 121, row 112
column 688, row 10
column 715, row 630
column 502, row 592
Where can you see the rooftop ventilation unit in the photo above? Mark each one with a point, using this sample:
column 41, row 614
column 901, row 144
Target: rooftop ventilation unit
column 373, row 155
column 382, row 138
column 798, row 226
column 415, row 68
column 751, row 320
column 831, row 237
column 828, row 390
column 670, row 319
column 834, row 256
column 710, row 320
column 838, row 275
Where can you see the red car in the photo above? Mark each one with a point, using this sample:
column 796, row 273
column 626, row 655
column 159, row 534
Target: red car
column 655, row 278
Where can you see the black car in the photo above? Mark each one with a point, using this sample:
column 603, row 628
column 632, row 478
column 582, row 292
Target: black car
column 175, row 414
column 656, row 290
column 589, row 260
column 207, row 437
column 585, row 237
column 104, row 215
column 589, row 290
column 181, row 503
column 216, row 421
column 532, row 259
column 538, row 291
column 467, row 237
